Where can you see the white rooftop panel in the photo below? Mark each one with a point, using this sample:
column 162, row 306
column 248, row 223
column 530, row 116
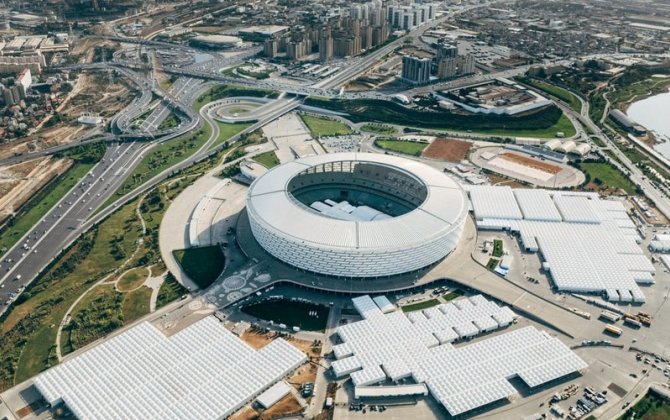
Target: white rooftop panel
column 142, row 373
column 460, row 378
column 537, row 204
column 576, row 209
column 494, row 203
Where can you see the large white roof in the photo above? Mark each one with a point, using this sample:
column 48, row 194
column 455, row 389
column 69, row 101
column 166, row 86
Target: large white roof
column 201, row 372
column 443, row 211
column 397, row 345
column 588, row 243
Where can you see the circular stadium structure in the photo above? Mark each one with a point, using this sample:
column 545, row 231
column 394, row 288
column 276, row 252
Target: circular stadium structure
column 356, row 215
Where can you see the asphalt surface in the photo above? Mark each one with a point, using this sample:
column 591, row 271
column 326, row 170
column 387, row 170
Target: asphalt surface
column 21, row 264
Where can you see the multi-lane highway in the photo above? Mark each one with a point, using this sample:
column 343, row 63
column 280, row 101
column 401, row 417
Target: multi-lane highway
column 64, row 221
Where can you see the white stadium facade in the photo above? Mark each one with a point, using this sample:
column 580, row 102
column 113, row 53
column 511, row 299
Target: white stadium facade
column 357, row 215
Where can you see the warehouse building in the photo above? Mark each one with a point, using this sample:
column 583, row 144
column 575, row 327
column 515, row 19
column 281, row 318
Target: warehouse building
column 203, row 371
column 383, row 349
column 587, row 244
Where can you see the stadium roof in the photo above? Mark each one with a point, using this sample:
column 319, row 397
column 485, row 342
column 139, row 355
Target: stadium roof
column 396, row 345
column 443, row 210
column 203, row 371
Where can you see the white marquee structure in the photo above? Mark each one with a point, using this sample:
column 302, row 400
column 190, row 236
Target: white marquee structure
column 201, row 372
column 589, row 244
column 357, row 214
column 385, row 348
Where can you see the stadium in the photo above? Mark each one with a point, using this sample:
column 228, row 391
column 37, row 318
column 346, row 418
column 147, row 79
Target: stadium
column 356, row 215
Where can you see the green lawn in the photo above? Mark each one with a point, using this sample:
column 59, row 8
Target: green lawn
column 160, row 158
column 324, row 127
column 293, row 314
column 412, row 148
column 453, row 295
column 492, row 264
column 132, row 279
column 497, row 248
column 170, row 122
column 224, row 91
column 226, row 131
column 28, row 329
column 544, row 123
column 378, row 129
column 605, row 174
column 170, row 290
column 96, row 315
column 564, row 95
column 202, row 265
column 420, row 305
column 651, row 407
column 267, row 159
column 563, row 125
column 40, row 204
column 136, row 304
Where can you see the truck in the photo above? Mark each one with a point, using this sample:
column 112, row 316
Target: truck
column 632, row 322
column 645, row 321
column 610, row 316
column 611, row 329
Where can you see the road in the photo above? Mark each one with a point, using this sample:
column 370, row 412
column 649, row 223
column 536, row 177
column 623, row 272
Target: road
column 21, row 264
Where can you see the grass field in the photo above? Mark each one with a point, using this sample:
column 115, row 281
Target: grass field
column 160, row 158
column 565, row 95
column 544, row 123
column 563, row 125
column 227, row 131
column 202, row 265
column 170, row 122
column 413, row 148
column 378, row 129
column 420, row 305
column 651, row 407
column 324, row 127
column 96, row 315
column 605, row 174
column 492, row 264
column 40, row 204
column 268, row 159
column 224, row 91
column 283, row 311
column 132, row 279
column 497, row 248
column 28, row 329
column 453, row 295
column 135, row 304
column 170, row 290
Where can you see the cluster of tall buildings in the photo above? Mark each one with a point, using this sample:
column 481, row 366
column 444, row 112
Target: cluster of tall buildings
column 446, row 64
column 343, row 34
column 408, row 16
column 15, row 93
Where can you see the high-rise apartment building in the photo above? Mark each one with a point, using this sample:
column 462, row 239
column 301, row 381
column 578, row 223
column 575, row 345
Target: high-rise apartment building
column 416, row 70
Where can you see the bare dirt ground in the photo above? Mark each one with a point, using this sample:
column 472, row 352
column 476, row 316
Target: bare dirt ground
column 532, row 163
column 246, row 413
column 305, row 373
column 284, row 407
column 92, row 93
column 500, row 180
column 447, row 149
column 19, row 182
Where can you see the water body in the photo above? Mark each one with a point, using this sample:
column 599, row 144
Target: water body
column 652, row 113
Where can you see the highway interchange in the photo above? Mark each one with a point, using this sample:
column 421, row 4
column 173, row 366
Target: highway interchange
column 65, row 222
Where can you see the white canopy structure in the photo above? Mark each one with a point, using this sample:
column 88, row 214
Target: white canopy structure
column 202, row 372
column 389, row 347
column 589, row 244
